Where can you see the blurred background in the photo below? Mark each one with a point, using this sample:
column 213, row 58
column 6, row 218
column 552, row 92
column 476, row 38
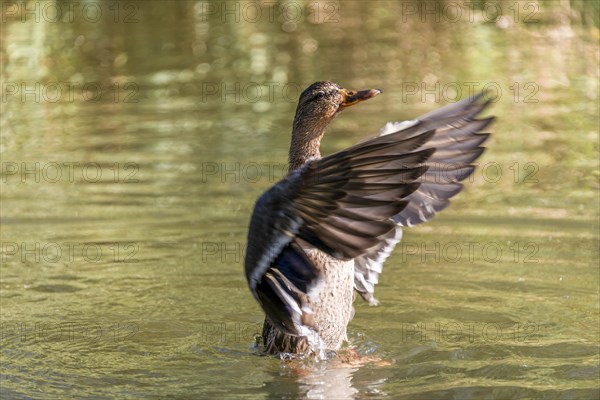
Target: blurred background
column 136, row 136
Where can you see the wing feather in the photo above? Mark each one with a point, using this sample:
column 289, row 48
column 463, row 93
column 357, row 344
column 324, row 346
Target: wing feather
column 456, row 142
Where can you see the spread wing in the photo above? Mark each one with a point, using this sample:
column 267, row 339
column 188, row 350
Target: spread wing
column 457, row 142
column 341, row 204
column 350, row 205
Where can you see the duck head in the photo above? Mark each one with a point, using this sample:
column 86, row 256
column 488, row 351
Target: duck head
column 318, row 105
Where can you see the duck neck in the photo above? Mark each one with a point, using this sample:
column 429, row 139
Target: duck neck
column 306, row 141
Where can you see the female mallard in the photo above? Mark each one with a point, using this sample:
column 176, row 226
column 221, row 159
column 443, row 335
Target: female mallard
column 328, row 226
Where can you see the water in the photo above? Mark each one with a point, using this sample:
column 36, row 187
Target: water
column 130, row 171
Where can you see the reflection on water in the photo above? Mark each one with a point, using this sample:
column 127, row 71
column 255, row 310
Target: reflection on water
column 134, row 143
column 324, row 383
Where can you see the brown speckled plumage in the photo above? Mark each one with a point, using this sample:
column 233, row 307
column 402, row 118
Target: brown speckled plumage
column 332, row 307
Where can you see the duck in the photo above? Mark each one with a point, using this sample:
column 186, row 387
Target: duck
column 323, row 232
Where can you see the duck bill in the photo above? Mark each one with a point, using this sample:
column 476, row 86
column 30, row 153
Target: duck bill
column 352, row 97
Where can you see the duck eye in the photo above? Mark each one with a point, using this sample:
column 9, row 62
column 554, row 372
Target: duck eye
column 320, row 93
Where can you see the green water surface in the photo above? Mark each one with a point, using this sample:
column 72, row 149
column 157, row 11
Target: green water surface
column 134, row 143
